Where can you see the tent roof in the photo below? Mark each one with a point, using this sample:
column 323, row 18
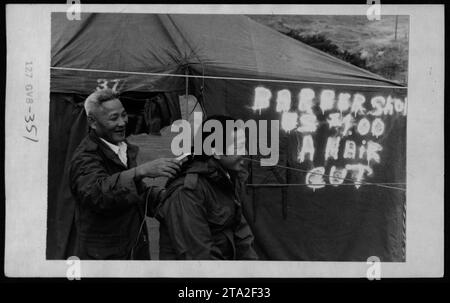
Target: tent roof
column 210, row 45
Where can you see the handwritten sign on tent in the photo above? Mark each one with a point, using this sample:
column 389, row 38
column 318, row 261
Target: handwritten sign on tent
column 339, row 134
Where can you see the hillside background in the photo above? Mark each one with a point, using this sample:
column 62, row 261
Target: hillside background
column 371, row 45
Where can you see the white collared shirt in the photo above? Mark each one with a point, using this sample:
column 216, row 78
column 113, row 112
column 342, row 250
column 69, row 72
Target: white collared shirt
column 120, row 150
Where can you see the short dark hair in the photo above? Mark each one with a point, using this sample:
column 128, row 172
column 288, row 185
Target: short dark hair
column 222, row 119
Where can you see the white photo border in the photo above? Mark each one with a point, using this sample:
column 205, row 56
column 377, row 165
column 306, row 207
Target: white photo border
column 26, row 161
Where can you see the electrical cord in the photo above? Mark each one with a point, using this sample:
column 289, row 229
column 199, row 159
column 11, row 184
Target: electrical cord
column 335, row 177
column 142, row 223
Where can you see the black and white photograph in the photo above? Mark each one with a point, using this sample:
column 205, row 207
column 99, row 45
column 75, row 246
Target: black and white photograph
column 295, row 141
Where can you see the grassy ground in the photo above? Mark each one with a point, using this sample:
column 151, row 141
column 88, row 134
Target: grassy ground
column 351, row 33
column 373, row 40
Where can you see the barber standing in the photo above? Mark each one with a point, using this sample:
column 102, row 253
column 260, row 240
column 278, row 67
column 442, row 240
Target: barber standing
column 111, row 199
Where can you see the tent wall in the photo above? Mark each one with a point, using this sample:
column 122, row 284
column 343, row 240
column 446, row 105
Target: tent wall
column 341, row 223
column 289, row 223
column 68, row 126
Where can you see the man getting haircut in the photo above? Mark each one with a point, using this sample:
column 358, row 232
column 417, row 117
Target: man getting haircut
column 201, row 217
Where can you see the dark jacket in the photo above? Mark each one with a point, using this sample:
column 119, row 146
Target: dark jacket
column 110, row 204
column 201, row 217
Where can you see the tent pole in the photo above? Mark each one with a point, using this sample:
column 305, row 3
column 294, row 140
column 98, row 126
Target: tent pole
column 187, row 93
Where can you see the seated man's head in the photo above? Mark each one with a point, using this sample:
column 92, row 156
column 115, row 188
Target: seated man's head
column 229, row 155
column 106, row 115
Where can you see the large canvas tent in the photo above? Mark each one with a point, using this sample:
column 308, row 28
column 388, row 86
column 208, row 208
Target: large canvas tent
column 231, row 64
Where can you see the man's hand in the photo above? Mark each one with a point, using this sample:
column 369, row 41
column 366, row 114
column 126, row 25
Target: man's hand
column 164, row 167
